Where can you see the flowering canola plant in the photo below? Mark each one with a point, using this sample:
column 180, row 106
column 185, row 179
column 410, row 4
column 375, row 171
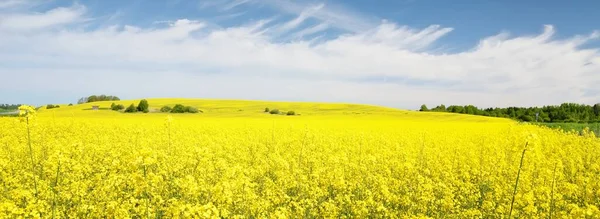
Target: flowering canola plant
column 404, row 165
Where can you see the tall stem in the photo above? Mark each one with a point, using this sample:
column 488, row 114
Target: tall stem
column 517, row 181
column 54, row 188
column 552, row 193
column 31, row 156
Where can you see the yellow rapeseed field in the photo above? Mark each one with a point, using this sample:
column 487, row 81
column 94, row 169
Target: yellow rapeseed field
column 332, row 161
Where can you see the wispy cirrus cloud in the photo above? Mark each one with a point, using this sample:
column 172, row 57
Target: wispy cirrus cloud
column 33, row 21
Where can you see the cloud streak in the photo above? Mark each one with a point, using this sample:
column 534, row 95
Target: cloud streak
column 48, row 19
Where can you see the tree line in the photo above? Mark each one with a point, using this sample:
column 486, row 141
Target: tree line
column 9, row 106
column 566, row 112
column 95, row 98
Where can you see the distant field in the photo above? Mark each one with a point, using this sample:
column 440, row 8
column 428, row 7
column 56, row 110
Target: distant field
column 332, row 161
column 4, row 112
column 578, row 127
column 255, row 109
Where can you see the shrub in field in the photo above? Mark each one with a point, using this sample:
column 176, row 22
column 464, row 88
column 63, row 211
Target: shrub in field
column 178, row 108
column 291, row 113
column 117, row 107
column 50, row 106
column 131, row 109
column 189, row 109
column 166, row 109
column 143, row 106
column 267, row 110
column 274, row 111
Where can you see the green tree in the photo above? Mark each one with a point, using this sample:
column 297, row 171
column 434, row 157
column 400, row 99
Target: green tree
column 165, row 109
column 143, row 105
column 117, row 107
column 178, row 108
column 423, row 108
column 131, row 109
column 189, row 109
column 274, row 111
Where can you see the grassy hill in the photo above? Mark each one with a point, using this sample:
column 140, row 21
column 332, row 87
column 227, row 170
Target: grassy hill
column 250, row 108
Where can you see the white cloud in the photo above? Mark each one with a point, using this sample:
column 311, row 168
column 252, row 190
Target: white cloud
column 33, row 21
column 10, row 3
column 290, row 25
column 388, row 64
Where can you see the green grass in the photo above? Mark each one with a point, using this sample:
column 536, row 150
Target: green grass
column 595, row 127
column 6, row 113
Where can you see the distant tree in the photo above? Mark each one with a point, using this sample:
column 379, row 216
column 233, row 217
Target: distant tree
column 189, row 109
column 9, row 106
column 178, row 108
column 94, row 98
column 131, row 109
column 165, row 109
column 82, row 100
column 274, row 111
column 423, row 108
column 117, row 107
column 526, row 118
column 51, row 106
column 440, row 108
column 267, row 110
column 291, row 113
column 566, row 112
column 70, row 104
column 143, row 105
column 596, row 109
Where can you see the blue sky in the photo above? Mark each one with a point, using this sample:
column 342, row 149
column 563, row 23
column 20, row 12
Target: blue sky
column 395, row 53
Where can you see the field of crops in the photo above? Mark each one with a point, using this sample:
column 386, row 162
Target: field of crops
column 332, row 161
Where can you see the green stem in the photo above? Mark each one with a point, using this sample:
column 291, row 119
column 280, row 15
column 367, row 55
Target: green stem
column 517, row 181
column 31, row 156
column 54, row 188
column 552, row 193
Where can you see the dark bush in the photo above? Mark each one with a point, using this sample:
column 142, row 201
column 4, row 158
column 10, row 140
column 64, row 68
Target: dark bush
column 94, row 98
column 165, row 109
column 274, row 111
column 131, row 109
column 189, row 109
column 143, row 105
column 50, row 106
column 291, row 113
column 267, row 110
column 178, row 108
column 526, row 118
column 70, row 104
column 146, row 111
column 117, row 107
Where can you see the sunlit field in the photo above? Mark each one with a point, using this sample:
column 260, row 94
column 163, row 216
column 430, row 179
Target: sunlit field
column 331, row 161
